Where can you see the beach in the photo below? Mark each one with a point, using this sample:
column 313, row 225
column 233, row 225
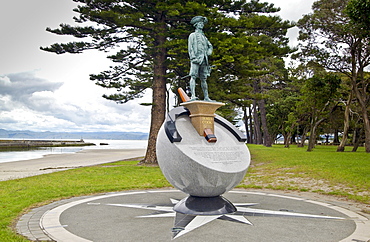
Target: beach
column 58, row 162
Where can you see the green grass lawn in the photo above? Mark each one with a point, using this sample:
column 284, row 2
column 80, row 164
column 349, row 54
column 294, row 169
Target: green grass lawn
column 17, row 196
column 323, row 170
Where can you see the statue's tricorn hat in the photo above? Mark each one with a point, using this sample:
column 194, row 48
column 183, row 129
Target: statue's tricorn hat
column 198, row 19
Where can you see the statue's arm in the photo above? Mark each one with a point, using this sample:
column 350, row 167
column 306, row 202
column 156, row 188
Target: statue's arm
column 191, row 47
column 210, row 48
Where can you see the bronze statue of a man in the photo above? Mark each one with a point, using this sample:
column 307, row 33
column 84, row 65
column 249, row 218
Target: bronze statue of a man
column 199, row 50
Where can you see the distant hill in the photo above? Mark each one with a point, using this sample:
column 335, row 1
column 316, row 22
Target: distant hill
column 25, row 134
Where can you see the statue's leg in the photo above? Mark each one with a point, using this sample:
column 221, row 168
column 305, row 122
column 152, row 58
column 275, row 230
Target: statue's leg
column 205, row 90
column 203, row 73
column 192, row 88
column 194, row 70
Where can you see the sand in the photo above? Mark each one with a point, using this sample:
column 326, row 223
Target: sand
column 59, row 162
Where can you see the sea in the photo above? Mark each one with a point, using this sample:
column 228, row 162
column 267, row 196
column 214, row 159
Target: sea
column 9, row 156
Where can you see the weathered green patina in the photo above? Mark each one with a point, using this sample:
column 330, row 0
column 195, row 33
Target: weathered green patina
column 199, row 50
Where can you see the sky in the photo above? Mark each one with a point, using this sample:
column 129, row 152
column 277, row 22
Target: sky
column 42, row 91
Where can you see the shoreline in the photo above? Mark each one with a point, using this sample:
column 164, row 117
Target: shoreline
column 16, row 154
column 58, row 162
column 19, row 144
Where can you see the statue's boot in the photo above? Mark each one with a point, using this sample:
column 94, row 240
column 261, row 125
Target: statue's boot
column 206, row 97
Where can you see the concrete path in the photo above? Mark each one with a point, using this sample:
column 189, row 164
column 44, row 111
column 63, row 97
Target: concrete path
column 58, row 162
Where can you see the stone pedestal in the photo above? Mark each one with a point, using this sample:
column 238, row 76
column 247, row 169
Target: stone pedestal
column 203, row 168
column 198, row 167
column 202, row 114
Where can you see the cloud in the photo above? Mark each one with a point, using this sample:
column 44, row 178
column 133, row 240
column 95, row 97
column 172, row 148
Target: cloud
column 33, row 103
column 5, row 103
column 293, row 10
column 21, row 86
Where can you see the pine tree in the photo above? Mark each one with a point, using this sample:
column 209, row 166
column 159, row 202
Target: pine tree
column 151, row 37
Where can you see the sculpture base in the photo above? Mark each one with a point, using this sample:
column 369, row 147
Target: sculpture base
column 202, row 114
column 204, row 206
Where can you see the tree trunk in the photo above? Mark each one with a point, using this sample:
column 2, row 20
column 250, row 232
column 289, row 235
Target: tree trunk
column 158, row 111
column 327, row 139
column 293, row 139
column 257, row 124
column 366, row 121
column 252, row 134
column 346, row 124
column 287, row 138
column 304, row 135
column 360, row 86
column 313, row 131
column 267, row 141
column 336, row 137
column 312, row 139
column 357, row 134
column 246, row 121
column 362, row 99
column 367, row 129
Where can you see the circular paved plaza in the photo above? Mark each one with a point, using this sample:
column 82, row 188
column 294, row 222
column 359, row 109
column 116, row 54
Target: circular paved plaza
column 149, row 216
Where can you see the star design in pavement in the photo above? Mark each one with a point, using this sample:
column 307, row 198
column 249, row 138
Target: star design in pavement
column 185, row 223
